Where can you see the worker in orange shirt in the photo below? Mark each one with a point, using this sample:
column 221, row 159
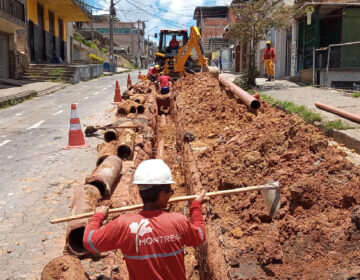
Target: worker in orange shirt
column 164, row 81
column 153, row 73
column 270, row 59
column 174, row 44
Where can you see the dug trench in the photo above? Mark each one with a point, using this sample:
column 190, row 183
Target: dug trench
column 211, row 140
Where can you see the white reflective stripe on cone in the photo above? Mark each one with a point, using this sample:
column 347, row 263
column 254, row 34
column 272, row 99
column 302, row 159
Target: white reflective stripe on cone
column 75, row 126
column 74, row 114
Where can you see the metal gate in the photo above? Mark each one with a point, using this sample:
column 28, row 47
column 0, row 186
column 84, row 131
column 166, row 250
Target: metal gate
column 4, row 56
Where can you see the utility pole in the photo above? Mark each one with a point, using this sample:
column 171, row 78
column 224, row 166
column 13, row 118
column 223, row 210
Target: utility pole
column 111, row 31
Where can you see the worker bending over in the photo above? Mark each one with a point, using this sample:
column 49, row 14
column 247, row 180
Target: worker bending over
column 270, row 59
column 153, row 73
column 164, row 81
column 152, row 241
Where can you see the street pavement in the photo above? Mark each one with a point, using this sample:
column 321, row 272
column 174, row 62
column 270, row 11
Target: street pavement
column 38, row 177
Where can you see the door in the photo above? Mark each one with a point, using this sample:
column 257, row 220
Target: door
column 4, row 56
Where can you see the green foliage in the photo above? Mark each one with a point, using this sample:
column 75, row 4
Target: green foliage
column 306, row 114
column 94, row 59
column 90, row 44
column 338, row 124
column 105, row 50
column 356, row 94
column 16, row 101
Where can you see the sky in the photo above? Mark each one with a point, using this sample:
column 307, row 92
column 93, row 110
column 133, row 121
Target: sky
column 158, row 14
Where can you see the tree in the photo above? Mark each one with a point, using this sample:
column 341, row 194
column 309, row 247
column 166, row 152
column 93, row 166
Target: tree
column 254, row 19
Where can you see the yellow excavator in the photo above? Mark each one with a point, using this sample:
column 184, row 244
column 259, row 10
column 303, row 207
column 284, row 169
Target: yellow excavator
column 177, row 61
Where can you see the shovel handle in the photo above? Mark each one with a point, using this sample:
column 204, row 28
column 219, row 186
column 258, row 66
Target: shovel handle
column 176, row 199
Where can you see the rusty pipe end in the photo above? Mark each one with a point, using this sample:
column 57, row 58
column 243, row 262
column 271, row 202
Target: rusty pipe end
column 140, row 109
column 101, row 186
column 124, row 152
column 255, row 104
column 75, row 244
column 133, row 110
column 110, row 135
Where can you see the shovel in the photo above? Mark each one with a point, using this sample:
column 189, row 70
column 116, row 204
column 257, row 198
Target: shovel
column 270, row 192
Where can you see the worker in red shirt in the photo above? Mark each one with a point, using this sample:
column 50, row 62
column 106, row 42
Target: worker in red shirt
column 174, row 44
column 164, row 81
column 151, row 241
column 153, row 73
column 270, row 59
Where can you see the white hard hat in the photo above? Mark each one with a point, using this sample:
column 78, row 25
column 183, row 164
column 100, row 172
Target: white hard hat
column 153, row 172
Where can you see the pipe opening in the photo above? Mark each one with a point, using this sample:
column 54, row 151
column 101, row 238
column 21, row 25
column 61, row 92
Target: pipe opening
column 137, row 101
column 255, row 104
column 140, row 109
column 124, row 152
column 110, row 135
column 132, row 110
column 121, row 111
column 76, row 240
column 99, row 185
column 100, row 160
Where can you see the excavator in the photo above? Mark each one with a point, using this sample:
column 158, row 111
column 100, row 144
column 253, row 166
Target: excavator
column 177, row 62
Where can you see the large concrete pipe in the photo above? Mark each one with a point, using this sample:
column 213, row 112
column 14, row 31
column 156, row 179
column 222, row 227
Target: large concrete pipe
column 244, row 96
column 341, row 113
column 127, row 107
column 110, row 135
column 85, row 200
column 104, row 150
column 125, row 144
column 138, row 98
column 106, row 175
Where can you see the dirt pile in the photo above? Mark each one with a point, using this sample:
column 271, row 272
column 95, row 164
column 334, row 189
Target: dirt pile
column 315, row 235
column 64, row 268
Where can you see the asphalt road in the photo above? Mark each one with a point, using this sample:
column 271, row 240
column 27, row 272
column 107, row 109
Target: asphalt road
column 38, row 177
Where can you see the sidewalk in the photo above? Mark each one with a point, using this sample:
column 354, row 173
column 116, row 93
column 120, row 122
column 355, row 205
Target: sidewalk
column 28, row 89
column 284, row 90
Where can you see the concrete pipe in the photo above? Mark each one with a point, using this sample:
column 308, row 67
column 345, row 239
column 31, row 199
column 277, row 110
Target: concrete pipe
column 106, row 175
column 125, row 144
column 127, row 107
column 245, row 97
column 104, row 150
column 160, row 154
column 138, row 98
column 341, row 113
column 110, row 135
column 140, row 109
column 85, row 200
column 163, row 119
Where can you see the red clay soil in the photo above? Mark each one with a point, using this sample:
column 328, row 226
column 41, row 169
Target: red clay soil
column 316, row 233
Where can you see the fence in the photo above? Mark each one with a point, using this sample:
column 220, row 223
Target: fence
column 344, row 56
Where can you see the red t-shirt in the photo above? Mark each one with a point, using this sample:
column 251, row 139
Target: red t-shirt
column 153, row 71
column 152, row 242
column 269, row 54
column 174, row 44
column 164, row 81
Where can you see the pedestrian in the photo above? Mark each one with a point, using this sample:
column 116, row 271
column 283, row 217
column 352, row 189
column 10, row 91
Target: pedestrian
column 220, row 64
column 164, row 81
column 153, row 73
column 152, row 241
column 270, row 59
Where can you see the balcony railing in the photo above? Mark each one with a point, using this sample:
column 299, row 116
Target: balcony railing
column 13, row 8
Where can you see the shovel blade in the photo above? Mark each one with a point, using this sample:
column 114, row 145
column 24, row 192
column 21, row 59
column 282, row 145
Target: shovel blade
column 272, row 198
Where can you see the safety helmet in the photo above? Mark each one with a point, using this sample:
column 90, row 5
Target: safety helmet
column 153, row 172
column 268, row 42
column 157, row 67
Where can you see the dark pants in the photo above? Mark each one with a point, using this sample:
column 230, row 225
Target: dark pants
column 164, row 90
column 152, row 78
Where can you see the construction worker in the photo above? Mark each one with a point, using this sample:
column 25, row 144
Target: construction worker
column 164, row 81
column 153, row 73
column 174, row 44
column 270, row 59
column 152, row 241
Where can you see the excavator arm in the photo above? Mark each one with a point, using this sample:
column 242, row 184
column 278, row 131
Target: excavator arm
column 185, row 51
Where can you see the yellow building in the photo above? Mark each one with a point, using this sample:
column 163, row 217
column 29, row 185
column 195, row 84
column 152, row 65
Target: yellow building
column 50, row 29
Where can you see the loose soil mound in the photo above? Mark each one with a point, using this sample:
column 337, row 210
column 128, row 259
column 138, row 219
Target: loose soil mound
column 315, row 234
column 64, row 268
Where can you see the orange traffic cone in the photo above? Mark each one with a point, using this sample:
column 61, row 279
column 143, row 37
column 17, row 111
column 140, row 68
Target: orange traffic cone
column 76, row 136
column 129, row 83
column 140, row 76
column 117, row 96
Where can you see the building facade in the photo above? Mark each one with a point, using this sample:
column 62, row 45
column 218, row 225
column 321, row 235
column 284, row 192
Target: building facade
column 128, row 36
column 12, row 38
column 49, row 29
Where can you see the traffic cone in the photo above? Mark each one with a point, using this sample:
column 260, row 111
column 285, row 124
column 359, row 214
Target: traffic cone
column 140, row 76
column 129, row 83
column 117, row 96
column 76, row 136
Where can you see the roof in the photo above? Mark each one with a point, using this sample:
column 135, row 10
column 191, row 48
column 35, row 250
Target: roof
column 68, row 10
column 211, row 12
column 326, row 5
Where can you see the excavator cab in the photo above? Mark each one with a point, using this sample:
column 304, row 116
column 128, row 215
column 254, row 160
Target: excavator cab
column 166, row 36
